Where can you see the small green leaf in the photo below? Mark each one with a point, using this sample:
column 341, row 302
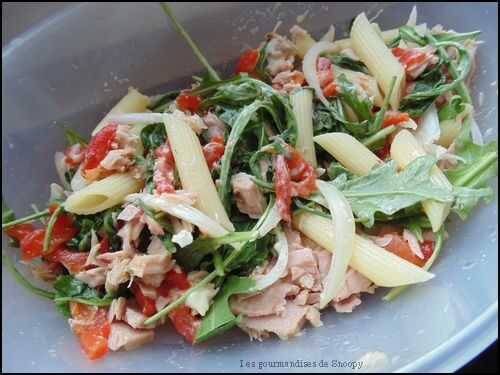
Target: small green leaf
column 72, row 137
column 220, row 318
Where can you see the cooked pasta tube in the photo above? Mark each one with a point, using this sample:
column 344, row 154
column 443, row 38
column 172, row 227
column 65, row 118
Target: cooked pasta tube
column 404, row 149
column 377, row 264
column 102, row 194
column 193, row 170
column 350, row 152
column 302, row 104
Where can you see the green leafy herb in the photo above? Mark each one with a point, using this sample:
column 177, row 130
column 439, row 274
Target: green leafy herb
column 260, row 68
column 456, row 37
column 72, row 137
column 220, row 318
column 190, row 256
column 7, row 213
column 452, row 109
column 359, row 102
column 348, row 63
column 386, row 191
column 153, row 136
column 70, row 289
column 161, row 102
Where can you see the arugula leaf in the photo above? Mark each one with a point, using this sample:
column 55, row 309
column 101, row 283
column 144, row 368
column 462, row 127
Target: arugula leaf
column 362, row 106
column 336, row 169
column 323, row 120
column 386, row 191
column 190, row 256
column 70, row 289
column 220, row 318
column 72, row 137
column 161, row 102
column 348, row 63
column 260, row 68
column 479, row 164
column 456, row 37
column 153, row 136
column 251, row 255
column 416, row 224
column 451, row 109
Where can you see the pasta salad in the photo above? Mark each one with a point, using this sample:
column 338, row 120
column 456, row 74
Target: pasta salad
column 320, row 170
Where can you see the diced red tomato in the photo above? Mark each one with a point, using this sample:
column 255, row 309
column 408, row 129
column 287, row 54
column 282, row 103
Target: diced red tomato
column 410, row 57
column 214, row 150
column 74, row 155
column 302, row 174
column 99, row 146
column 330, row 90
column 247, row 61
column 163, row 177
column 184, row 322
column 93, row 331
column 282, row 186
column 401, row 248
column 427, row 248
column 146, row 304
column 173, row 280
column 394, row 118
column 19, row 231
column 104, row 245
column 62, row 231
column 384, row 152
column 73, row 261
column 186, row 102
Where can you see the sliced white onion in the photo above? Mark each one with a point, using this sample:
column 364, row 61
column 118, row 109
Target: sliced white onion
column 281, row 247
column 269, row 220
column 381, row 241
column 329, row 35
column 309, row 67
column 475, row 132
column 429, row 130
column 413, row 242
column 78, row 182
column 136, row 118
column 412, row 19
column 343, row 240
column 441, row 153
column 56, row 192
column 61, row 168
column 182, row 211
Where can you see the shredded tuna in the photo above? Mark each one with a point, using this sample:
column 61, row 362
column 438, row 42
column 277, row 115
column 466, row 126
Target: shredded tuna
column 156, row 246
column 135, row 319
column 122, row 336
column 271, row 301
column 117, row 309
column 347, row 305
column 154, row 280
column 280, row 53
column 93, row 277
column 118, row 274
column 285, row 326
column 142, row 265
column 215, row 126
column 154, row 227
column 129, row 213
column 249, row 198
column 287, row 81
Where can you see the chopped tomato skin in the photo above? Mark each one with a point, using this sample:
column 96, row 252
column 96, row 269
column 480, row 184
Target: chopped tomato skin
column 19, row 231
column 184, row 322
column 427, row 248
column 187, row 102
column 74, row 154
column 401, row 248
column 92, row 328
column 163, row 177
column 330, row 90
column 73, row 261
column 214, row 150
column 410, row 57
column 282, row 185
column 104, row 245
column 99, row 146
column 394, row 118
column 302, row 174
column 247, row 61
column 173, row 280
column 146, row 304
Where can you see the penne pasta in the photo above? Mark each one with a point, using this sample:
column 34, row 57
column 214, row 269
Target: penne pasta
column 350, row 152
column 193, row 170
column 102, row 194
column 365, row 82
column 134, row 101
column 377, row 264
column 302, row 104
column 303, row 42
column 404, row 149
column 381, row 63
